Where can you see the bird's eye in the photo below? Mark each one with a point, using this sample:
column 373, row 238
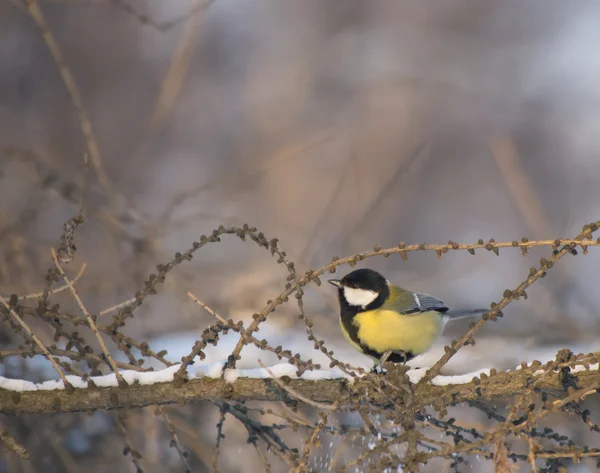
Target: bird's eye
column 354, row 286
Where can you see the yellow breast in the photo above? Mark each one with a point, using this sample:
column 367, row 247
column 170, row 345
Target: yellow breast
column 383, row 330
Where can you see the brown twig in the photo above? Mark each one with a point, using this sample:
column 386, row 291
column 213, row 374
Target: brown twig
column 68, row 387
column 119, row 306
column 84, row 184
column 521, row 188
column 509, row 296
column 403, row 249
column 174, row 79
column 175, row 440
column 297, row 395
column 86, row 125
column 531, row 454
column 311, row 443
column 73, row 355
column 239, row 328
column 206, row 308
column 222, row 416
column 129, row 450
column 164, row 25
column 90, row 319
column 37, row 16
column 11, row 444
column 37, row 295
column 263, row 458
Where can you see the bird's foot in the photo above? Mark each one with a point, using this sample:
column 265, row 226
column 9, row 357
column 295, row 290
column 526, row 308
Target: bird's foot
column 377, row 369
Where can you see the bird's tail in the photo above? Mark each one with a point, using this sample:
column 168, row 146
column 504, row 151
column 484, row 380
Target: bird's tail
column 462, row 314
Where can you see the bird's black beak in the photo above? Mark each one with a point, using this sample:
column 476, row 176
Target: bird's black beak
column 335, row 282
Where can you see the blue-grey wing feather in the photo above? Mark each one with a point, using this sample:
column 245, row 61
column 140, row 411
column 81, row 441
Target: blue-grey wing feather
column 407, row 303
column 427, row 303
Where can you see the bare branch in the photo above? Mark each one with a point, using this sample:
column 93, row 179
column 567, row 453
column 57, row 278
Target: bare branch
column 89, row 318
column 10, row 443
column 502, row 384
column 39, row 343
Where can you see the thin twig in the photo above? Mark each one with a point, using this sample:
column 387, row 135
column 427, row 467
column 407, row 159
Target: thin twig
column 73, row 355
column 68, row 386
column 509, row 296
column 223, row 415
column 37, row 295
column 520, row 186
column 206, row 308
column 86, row 125
column 90, row 319
column 84, row 184
column 135, row 455
column 531, row 455
column 119, row 306
column 174, row 80
column 297, row 395
column 164, row 25
column 175, row 440
column 264, row 459
column 11, row 443
column 403, row 249
column 310, row 443
column 85, row 122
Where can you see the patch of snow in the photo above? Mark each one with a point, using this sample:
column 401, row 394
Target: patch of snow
column 231, row 375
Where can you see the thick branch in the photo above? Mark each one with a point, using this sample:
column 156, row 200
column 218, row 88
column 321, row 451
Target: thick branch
column 246, row 389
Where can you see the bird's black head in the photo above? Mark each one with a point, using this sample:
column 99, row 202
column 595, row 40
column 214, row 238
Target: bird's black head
column 362, row 288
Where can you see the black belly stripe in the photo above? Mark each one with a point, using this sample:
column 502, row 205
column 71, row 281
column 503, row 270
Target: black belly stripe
column 347, row 315
column 395, row 357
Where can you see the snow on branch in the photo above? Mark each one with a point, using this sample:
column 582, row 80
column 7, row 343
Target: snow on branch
column 213, row 382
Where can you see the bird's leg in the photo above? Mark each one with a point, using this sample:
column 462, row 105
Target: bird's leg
column 385, row 357
column 378, row 367
column 382, row 360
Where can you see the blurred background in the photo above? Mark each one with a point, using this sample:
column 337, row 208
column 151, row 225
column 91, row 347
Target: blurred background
column 333, row 126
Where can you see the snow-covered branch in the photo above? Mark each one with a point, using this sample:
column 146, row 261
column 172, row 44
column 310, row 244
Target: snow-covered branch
column 19, row 397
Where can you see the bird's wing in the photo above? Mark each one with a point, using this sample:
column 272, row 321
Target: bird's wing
column 427, row 303
column 406, row 302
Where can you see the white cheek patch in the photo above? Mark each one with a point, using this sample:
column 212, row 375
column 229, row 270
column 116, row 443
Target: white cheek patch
column 359, row 297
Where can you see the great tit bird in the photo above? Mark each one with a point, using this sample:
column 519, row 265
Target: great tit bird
column 387, row 322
